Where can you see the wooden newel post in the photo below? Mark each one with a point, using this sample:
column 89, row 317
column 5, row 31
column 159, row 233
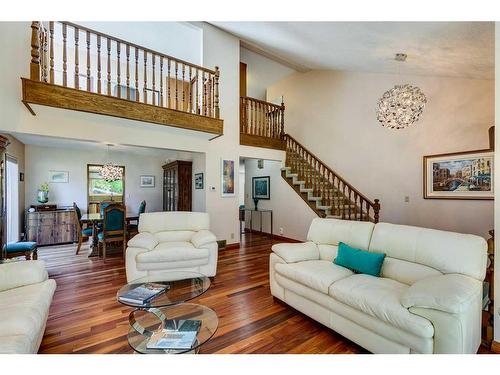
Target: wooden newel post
column 35, row 51
column 216, row 94
column 376, row 210
column 282, row 124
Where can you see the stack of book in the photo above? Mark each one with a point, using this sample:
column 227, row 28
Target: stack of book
column 176, row 335
column 144, row 294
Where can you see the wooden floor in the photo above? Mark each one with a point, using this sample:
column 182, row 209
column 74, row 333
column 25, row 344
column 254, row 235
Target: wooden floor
column 86, row 318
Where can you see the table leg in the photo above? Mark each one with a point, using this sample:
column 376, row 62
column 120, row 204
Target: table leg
column 94, row 244
column 260, row 221
column 271, row 224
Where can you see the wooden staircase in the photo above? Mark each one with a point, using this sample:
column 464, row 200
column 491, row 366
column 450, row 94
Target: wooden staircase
column 326, row 193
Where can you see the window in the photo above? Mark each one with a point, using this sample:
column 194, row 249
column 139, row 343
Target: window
column 100, row 190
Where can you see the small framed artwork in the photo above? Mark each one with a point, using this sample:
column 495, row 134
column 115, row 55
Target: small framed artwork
column 459, row 175
column 261, row 187
column 59, row 177
column 198, row 181
column 227, row 178
column 147, row 181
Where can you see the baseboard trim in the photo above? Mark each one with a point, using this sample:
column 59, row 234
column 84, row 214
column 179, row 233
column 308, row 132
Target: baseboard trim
column 275, row 236
column 495, row 347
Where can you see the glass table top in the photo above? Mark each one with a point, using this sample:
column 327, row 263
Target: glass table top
column 183, row 311
column 183, row 286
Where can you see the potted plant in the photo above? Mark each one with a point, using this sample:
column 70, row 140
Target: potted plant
column 43, row 193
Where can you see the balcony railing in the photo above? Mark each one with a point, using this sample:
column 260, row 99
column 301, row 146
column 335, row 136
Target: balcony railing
column 262, row 123
column 76, row 57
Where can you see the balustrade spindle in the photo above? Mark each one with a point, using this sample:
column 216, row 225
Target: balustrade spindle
column 197, row 93
column 216, row 93
column 127, row 53
column 161, row 81
column 51, row 31
column 88, row 61
column 45, row 42
column 137, row 74
column 77, row 68
column 118, row 70
column 145, row 77
column 99, row 84
column 176, row 86
column 153, row 58
column 190, row 91
column 169, row 81
column 183, row 90
column 204, row 99
column 108, row 42
column 65, row 55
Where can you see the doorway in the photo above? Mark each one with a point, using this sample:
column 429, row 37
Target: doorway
column 12, row 199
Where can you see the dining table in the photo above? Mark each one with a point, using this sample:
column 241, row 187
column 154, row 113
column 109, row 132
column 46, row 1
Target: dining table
column 94, row 219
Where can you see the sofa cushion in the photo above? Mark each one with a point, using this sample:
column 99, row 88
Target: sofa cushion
column 155, row 222
column 447, row 252
column 315, row 274
column 296, row 252
column 333, row 231
column 16, row 344
column 164, row 253
column 406, row 272
column 174, row 235
column 359, row 261
column 380, row 297
column 328, row 252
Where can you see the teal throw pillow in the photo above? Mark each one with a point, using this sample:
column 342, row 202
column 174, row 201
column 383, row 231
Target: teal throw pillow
column 359, row 261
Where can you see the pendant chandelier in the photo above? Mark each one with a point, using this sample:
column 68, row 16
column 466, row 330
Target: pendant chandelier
column 402, row 105
column 110, row 172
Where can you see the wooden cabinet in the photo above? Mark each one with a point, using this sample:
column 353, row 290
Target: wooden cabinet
column 51, row 227
column 177, row 186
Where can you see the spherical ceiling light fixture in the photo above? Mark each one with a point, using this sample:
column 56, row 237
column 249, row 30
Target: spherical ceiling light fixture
column 402, row 105
column 111, row 172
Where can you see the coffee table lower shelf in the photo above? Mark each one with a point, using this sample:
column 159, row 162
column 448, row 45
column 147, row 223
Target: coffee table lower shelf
column 152, row 320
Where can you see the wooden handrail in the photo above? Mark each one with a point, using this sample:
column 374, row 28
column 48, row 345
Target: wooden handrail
column 261, row 118
column 343, row 198
column 122, row 69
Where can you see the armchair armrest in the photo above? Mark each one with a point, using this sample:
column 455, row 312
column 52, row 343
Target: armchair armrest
column 202, row 238
column 143, row 240
column 451, row 293
column 17, row 274
column 296, row 252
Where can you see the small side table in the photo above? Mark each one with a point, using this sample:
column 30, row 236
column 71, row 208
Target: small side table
column 270, row 212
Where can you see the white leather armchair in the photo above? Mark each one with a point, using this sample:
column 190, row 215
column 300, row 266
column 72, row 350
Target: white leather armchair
column 172, row 241
column 25, row 296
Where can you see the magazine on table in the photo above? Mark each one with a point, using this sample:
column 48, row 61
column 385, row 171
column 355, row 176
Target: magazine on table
column 144, row 293
column 177, row 334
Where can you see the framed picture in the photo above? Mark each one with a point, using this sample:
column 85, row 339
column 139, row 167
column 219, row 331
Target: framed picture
column 227, row 178
column 261, row 187
column 147, row 181
column 198, row 181
column 59, row 177
column 459, row 175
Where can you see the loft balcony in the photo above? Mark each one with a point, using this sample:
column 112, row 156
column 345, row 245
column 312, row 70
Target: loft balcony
column 76, row 68
column 262, row 124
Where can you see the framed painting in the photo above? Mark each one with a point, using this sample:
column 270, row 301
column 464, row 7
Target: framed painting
column 59, row 177
column 147, row 181
column 227, row 178
column 261, row 187
column 459, row 175
column 198, row 181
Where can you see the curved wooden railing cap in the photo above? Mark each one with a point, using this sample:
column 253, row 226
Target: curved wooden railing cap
column 316, row 174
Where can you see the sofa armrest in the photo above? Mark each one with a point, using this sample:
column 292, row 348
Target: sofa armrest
column 296, row 252
column 451, row 293
column 202, row 238
column 143, row 240
column 17, row 274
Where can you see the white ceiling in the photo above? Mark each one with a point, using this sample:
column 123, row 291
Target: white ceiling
column 38, row 140
column 455, row 49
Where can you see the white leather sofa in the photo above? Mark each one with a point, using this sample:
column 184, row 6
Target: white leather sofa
column 427, row 300
column 172, row 241
column 25, row 296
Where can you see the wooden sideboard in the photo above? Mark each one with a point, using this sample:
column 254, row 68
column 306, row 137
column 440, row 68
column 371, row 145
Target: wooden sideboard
column 51, row 227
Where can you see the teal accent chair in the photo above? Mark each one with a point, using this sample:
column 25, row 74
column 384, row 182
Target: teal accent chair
column 83, row 233
column 114, row 227
column 133, row 229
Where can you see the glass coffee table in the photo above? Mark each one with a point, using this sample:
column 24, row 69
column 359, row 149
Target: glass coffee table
column 171, row 305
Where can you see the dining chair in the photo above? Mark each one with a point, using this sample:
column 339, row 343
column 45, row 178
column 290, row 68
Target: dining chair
column 114, row 227
column 83, row 233
column 134, row 228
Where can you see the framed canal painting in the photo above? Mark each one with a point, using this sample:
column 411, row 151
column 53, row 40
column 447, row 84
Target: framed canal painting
column 459, row 175
column 261, row 187
column 227, row 174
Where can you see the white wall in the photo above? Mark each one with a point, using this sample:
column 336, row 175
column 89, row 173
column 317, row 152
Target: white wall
column 290, row 212
column 40, row 160
column 333, row 114
column 496, row 324
column 262, row 73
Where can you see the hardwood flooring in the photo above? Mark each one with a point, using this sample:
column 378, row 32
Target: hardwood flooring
column 86, row 318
